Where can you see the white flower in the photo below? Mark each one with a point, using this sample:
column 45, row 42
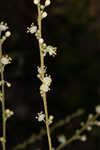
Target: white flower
column 8, row 33
column 97, row 109
column 36, row 2
column 47, row 2
column 32, row 29
column 5, row 60
column 51, row 50
column 3, row 26
column 41, row 40
column 62, row 139
column 40, row 116
column 44, row 14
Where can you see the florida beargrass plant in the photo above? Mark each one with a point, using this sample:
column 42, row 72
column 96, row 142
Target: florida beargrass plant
column 46, row 80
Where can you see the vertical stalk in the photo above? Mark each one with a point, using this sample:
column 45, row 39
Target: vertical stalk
column 42, row 68
column 3, row 102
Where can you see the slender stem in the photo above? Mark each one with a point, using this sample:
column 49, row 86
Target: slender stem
column 47, row 124
column 42, row 68
column 3, row 102
column 3, row 111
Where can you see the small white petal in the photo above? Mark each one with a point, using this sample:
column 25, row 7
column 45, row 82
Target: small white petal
column 41, row 117
column 33, row 29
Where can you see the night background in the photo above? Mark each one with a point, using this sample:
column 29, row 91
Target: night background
column 74, row 28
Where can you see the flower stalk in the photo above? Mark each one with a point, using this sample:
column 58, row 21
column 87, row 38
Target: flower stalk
column 44, row 78
column 42, row 75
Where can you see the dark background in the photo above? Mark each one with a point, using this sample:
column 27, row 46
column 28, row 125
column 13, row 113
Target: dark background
column 72, row 26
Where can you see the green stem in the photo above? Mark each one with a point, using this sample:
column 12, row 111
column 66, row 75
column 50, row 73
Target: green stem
column 42, row 68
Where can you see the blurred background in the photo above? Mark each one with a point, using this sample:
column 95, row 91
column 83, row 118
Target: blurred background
column 74, row 28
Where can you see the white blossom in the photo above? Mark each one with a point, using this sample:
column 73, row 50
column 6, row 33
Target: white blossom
column 45, row 84
column 32, row 29
column 40, row 117
column 3, row 26
column 5, row 60
column 51, row 50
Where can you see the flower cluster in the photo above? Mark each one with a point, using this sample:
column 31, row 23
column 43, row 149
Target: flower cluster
column 4, row 29
column 46, row 81
column 33, row 29
column 45, row 48
column 48, row 49
column 45, row 85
